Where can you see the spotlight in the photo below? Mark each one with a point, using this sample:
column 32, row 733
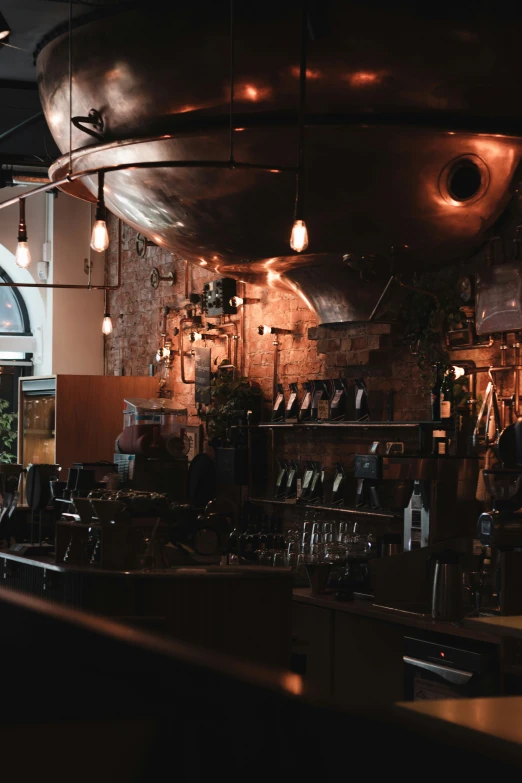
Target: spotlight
column 262, row 330
column 237, row 301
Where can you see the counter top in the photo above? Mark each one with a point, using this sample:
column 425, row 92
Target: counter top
column 181, row 571
column 495, row 723
column 469, row 628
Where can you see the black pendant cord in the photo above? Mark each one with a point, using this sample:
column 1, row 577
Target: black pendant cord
column 232, row 82
column 70, row 86
column 299, row 190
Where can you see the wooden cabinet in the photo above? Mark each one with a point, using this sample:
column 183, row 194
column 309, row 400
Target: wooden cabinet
column 355, row 660
column 81, row 419
column 367, row 661
column 312, row 650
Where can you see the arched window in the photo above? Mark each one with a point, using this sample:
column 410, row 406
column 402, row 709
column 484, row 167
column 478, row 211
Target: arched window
column 16, row 340
column 14, row 318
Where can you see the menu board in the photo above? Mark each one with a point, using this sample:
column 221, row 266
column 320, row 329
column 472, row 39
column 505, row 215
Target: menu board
column 202, row 375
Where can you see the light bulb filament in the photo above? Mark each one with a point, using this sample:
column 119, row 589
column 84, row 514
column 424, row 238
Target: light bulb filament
column 299, row 236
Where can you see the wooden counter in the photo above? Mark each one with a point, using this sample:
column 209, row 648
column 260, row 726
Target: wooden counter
column 245, row 612
column 468, row 628
column 496, row 724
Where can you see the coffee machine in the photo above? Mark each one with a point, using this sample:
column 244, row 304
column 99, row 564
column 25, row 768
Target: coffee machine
column 499, row 543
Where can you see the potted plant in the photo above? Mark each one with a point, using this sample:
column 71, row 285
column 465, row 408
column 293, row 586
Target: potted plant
column 233, row 401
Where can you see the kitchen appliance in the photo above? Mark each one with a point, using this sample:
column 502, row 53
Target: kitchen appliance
column 417, row 517
column 437, row 669
column 447, row 589
column 499, row 543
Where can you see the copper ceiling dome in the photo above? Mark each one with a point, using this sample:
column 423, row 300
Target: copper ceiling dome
column 412, row 132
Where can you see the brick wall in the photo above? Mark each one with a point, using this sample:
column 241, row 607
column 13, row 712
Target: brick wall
column 372, row 351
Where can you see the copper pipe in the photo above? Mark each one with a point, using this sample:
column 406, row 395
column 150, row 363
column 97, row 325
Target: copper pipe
column 516, row 346
column 475, row 347
column 87, row 287
column 186, row 278
column 417, row 290
column 274, row 379
column 180, row 347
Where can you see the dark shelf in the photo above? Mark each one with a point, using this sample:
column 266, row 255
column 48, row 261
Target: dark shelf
column 346, row 425
column 362, row 512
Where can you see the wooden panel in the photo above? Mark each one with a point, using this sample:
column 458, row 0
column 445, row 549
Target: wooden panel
column 312, row 631
column 368, row 667
column 89, row 414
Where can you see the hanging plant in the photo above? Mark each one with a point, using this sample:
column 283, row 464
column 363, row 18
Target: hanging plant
column 428, row 314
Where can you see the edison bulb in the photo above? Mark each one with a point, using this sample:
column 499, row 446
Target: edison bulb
column 299, row 236
column 107, row 324
column 23, row 256
column 100, row 236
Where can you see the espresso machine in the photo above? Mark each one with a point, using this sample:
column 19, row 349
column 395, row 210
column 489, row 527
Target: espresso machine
column 499, row 543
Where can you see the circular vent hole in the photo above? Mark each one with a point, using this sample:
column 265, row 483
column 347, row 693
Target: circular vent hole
column 464, row 181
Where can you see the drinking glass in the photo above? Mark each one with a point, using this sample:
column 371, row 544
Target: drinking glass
column 317, row 552
column 292, row 553
column 278, row 561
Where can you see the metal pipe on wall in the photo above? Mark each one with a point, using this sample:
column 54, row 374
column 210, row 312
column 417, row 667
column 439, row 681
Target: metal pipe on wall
column 181, row 353
column 77, row 287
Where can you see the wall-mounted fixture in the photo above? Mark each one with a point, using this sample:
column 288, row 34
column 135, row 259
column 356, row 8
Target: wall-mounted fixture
column 100, row 235
column 262, row 330
column 156, row 278
column 237, row 301
column 142, row 245
column 23, row 256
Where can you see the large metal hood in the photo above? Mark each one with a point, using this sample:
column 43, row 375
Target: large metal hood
column 413, row 122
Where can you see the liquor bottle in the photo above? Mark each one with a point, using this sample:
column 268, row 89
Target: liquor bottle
column 446, row 396
column 435, row 395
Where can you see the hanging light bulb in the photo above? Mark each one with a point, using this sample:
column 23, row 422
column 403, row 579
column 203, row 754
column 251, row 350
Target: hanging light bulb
column 100, row 235
column 22, row 256
column 299, row 236
column 107, row 324
column 107, row 320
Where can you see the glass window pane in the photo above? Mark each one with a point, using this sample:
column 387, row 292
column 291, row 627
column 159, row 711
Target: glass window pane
column 11, row 319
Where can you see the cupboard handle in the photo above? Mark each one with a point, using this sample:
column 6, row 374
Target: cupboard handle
column 455, row 676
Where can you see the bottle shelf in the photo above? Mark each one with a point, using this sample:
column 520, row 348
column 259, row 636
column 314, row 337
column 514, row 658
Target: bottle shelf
column 347, row 425
column 361, row 512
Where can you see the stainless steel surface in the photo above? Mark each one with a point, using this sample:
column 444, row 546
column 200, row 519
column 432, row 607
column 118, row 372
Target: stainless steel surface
column 375, row 176
column 455, row 676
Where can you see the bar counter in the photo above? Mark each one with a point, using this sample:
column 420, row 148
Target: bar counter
column 495, row 723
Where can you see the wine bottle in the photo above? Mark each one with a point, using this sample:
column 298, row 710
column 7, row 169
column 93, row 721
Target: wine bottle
column 435, row 395
column 446, row 396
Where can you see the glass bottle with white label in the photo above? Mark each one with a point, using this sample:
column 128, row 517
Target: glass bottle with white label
column 447, row 403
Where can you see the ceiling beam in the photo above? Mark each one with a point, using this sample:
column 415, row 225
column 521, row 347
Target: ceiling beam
column 13, row 84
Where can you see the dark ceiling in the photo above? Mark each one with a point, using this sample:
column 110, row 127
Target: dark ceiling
column 29, row 20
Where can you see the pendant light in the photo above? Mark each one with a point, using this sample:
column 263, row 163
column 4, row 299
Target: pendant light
column 100, row 235
column 5, row 30
column 299, row 235
column 23, row 256
column 107, row 320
